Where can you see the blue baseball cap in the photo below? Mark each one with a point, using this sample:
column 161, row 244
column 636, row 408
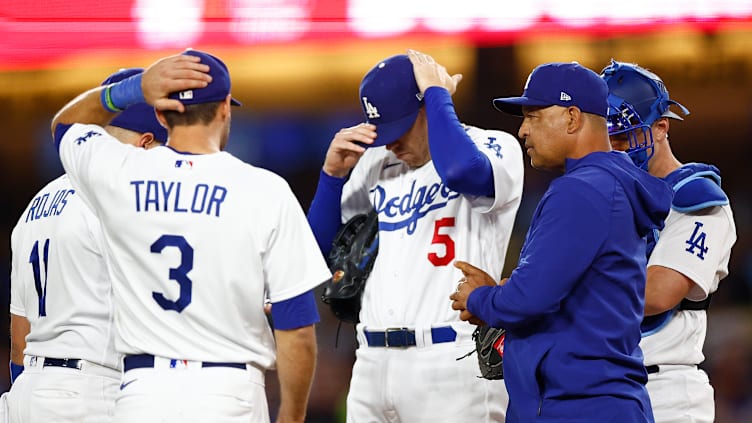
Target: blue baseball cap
column 390, row 98
column 217, row 89
column 560, row 84
column 138, row 117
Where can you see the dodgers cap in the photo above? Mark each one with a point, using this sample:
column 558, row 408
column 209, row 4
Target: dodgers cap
column 218, row 88
column 390, row 98
column 139, row 117
column 560, row 84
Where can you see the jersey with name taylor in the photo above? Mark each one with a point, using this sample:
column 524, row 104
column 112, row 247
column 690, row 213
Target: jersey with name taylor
column 195, row 244
column 424, row 227
column 58, row 279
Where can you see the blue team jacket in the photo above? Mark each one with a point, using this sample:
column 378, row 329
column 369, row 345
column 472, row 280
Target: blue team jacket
column 572, row 307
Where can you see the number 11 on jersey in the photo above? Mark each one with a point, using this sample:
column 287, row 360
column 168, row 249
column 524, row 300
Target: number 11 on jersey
column 39, row 285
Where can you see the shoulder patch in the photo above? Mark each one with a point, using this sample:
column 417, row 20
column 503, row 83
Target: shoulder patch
column 698, row 192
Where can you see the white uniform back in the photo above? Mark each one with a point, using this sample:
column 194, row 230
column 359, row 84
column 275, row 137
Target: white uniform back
column 425, row 227
column 700, row 252
column 58, row 265
column 195, row 243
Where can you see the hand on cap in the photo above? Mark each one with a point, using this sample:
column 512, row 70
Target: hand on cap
column 171, row 74
column 428, row 73
column 347, row 147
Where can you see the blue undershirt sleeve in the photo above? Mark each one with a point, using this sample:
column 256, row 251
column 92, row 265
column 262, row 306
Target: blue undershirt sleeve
column 458, row 161
column 325, row 213
column 295, row 312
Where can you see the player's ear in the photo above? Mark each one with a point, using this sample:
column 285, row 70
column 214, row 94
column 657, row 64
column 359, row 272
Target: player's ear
column 660, row 128
column 226, row 107
column 161, row 118
column 574, row 119
column 146, row 141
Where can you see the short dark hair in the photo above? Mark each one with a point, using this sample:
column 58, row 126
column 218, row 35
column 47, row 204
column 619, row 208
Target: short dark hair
column 194, row 114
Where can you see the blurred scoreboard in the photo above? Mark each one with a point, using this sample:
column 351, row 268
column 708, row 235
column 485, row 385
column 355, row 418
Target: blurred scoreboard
column 37, row 33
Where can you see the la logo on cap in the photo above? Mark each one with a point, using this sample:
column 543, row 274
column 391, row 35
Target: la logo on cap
column 186, row 95
column 371, row 110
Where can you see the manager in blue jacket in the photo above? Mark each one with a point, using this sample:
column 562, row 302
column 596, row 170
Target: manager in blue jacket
column 572, row 308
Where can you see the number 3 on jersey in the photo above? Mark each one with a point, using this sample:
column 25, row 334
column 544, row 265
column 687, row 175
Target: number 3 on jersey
column 178, row 274
column 442, row 239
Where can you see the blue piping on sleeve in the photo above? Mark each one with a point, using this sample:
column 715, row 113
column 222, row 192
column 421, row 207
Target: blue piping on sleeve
column 295, row 312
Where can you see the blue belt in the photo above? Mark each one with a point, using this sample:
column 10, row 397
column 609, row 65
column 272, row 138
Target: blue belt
column 141, row 361
column 69, row 363
column 404, row 337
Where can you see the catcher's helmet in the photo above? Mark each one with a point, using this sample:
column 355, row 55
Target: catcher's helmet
column 636, row 99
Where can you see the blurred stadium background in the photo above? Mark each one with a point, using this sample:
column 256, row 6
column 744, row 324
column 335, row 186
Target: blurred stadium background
column 297, row 64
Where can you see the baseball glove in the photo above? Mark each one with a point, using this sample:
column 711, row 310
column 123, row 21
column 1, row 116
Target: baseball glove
column 351, row 259
column 489, row 344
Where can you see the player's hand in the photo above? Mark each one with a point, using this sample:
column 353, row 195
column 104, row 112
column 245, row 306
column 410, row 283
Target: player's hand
column 171, row 74
column 472, row 278
column 428, row 73
column 344, row 150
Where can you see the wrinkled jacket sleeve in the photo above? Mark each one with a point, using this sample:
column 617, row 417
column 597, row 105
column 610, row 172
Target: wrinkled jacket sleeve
column 568, row 229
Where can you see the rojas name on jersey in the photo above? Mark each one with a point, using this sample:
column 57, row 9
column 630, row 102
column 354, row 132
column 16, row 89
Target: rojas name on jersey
column 410, row 207
column 45, row 205
column 171, row 196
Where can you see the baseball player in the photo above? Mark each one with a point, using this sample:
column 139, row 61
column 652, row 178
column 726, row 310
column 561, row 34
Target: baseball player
column 61, row 311
column 443, row 191
column 687, row 259
column 195, row 241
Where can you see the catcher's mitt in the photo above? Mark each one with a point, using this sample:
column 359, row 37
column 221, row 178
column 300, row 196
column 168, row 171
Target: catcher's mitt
column 489, row 343
column 354, row 250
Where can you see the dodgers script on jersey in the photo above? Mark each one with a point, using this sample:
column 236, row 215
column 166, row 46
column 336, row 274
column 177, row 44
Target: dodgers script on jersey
column 425, row 226
column 697, row 245
column 173, row 277
column 57, row 262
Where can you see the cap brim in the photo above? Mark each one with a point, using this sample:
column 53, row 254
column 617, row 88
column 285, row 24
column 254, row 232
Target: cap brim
column 513, row 105
column 672, row 115
column 387, row 133
column 235, row 102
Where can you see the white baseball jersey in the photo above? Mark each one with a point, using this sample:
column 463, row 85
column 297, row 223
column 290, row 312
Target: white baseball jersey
column 58, row 279
column 698, row 245
column 425, row 226
column 194, row 245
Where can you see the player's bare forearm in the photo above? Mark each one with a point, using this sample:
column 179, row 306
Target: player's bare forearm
column 19, row 328
column 86, row 108
column 665, row 289
column 296, row 363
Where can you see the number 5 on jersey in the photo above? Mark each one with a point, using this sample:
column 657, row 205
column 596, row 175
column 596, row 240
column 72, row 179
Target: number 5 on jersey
column 442, row 239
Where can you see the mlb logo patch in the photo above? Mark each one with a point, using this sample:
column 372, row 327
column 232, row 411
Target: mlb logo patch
column 184, row 164
column 186, row 95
